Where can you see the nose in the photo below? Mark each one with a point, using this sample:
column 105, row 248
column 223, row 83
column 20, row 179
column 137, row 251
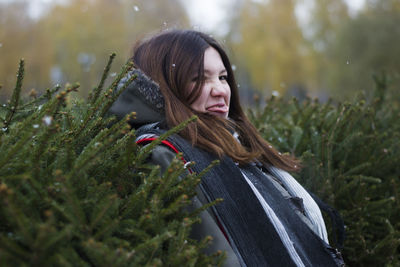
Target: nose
column 219, row 89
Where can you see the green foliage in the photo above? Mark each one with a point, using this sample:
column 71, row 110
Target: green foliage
column 351, row 154
column 75, row 189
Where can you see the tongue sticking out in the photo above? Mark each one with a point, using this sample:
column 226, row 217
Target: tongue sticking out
column 218, row 108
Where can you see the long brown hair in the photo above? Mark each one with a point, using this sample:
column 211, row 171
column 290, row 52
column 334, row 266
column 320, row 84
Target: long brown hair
column 171, row 59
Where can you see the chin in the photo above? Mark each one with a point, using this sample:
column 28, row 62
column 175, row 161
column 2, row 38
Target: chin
column 219, row 114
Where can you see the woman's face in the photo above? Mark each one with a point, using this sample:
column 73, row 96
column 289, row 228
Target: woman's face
column 215, row 94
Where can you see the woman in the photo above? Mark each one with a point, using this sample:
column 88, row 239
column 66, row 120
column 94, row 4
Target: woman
column 266, row 218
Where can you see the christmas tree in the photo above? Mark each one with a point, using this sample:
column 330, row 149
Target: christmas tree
column 75, row 189
column 350, row 154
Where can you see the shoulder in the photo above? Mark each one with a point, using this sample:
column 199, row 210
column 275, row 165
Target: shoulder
column 162, row 154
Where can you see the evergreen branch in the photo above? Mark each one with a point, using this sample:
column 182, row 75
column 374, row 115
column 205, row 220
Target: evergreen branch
column 134, row 233
column 153, row 243
column 114, row 85
column 358, row 168
column 16, row 95
column 329, row 145
column 52, row 240
column 307, row 114
column 77, row 212
column 134, row 205
column 208, row 168
column 94, row 147
column 20, row 219
column 37, row 187
column 43, row 97
column 381, row 85
column 181, row 235
column 127, row 67
column 107, row 227
column 19, row 176
column 174, row 206
column 346, row 142
column 380, row 209
column 128, row 146
column 368, row 179
column 100, row 215
column 50, row 107
column 171, row 176
column 45, row 239
column 7, row 156
column 297, row 134
column 37, row 153
column 60, row 209
column 15, row 250
column 205, row 207
column 112, row 97
column 96, row 92
column 100, row 102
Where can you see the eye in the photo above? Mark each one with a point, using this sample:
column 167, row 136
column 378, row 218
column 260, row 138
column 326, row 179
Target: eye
column 223, row 77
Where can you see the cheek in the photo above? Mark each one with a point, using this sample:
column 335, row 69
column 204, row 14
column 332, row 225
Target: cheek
column 200, row 103
column 229, row 94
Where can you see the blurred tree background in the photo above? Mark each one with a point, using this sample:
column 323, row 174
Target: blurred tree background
column 318, row 48
column 71, row 40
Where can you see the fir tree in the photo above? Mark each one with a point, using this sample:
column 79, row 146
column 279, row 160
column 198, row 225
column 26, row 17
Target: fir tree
column 350, row 153
column 75, row 189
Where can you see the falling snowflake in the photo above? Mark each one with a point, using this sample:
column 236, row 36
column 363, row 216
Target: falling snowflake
column 36, row 126
column 113, row 74
column 275, row 93
column 136, row 8
column 47, row 120
column 233, row 67
column 173, row 65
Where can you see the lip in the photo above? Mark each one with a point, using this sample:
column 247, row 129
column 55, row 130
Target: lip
column 218, row 108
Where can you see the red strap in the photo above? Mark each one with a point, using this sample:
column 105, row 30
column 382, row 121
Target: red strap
column 164, row 142
column 222, row 230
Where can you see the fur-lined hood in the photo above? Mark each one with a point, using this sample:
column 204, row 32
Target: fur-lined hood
column 142, row 96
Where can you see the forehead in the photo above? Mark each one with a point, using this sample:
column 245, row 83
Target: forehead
column 213, row 61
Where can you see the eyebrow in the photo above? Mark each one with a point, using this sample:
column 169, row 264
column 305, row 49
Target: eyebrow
column 221, row 71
